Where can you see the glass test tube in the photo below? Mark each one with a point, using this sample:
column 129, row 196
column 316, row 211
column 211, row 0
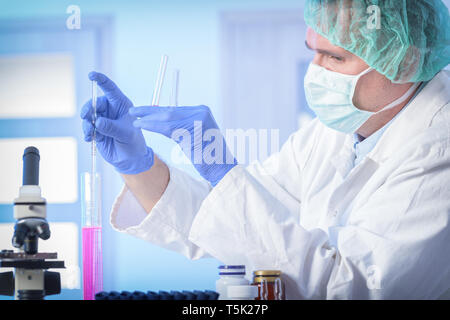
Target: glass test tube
column 160, row 80
column 175, row 88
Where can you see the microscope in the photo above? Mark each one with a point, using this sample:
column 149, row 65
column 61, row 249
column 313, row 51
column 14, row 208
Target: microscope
column 31, row 279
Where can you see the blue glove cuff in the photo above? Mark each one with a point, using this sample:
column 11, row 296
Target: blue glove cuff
column 141, row 165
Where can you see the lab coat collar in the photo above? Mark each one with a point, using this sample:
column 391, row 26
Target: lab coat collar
column 413, row 120
column 416, row 118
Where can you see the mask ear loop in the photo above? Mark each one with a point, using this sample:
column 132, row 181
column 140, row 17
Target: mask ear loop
column 403, row 98
column 355, row 82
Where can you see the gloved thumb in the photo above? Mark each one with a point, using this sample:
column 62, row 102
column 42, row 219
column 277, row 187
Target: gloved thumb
column 114, row 129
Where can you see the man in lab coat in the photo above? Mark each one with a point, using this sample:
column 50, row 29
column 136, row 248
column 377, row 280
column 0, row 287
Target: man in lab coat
column 356, row 205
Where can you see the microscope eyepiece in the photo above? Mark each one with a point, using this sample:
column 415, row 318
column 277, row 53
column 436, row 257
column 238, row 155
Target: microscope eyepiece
column 31, row 166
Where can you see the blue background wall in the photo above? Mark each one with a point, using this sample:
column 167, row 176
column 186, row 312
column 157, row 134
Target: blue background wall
column 188, row 31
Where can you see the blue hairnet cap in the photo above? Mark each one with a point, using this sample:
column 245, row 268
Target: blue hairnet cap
column 405, row 40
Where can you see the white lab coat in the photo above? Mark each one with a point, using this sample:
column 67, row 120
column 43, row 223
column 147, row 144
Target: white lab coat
column 379, row 230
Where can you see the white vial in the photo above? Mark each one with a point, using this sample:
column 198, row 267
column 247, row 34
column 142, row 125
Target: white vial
column 245, row 292
column 230, row 276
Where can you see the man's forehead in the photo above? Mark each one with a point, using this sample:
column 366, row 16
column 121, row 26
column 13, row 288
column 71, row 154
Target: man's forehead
column 315, row 41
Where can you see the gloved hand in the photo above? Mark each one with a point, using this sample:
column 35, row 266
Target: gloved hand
column 118, row 141
column 201, row 140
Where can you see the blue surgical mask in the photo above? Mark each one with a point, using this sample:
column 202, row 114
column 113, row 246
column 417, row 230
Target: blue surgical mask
column 330, row 95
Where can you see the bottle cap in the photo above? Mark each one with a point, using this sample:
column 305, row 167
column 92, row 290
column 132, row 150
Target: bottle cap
column 232, row 270
column 231, row 267
column 267, row 273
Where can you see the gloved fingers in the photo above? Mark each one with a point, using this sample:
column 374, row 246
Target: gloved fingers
column 87, row 109
column 88, row 131
column 144, row 111
column 157, row 113
column 114, row 129
column 109, row 88
column 154, row 126
column 168, row 113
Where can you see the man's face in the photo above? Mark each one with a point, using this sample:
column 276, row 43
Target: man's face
column 373, row 90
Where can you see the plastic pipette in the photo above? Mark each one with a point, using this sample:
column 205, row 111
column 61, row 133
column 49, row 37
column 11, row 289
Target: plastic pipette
column 94, row 144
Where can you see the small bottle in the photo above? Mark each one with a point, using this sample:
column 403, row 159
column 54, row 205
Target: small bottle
column 230, row 275
column 270, row 286
column 244, row 292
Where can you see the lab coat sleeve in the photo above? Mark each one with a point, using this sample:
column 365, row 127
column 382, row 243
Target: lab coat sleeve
column 394, row 246
column 168, row 223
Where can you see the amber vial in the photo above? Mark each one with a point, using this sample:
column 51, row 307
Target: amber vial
column 270, row 286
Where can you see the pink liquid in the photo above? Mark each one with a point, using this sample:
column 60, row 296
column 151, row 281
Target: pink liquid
column 92, row 262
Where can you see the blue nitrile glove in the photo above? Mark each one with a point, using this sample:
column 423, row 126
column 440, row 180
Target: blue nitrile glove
column 118, row 141
column 197, row 133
